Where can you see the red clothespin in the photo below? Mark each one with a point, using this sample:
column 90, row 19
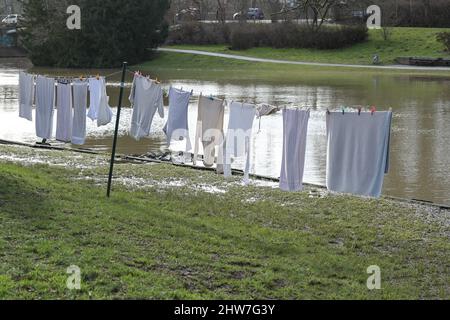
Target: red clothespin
column 373, row 110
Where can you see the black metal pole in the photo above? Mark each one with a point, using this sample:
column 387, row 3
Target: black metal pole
column 116, row 131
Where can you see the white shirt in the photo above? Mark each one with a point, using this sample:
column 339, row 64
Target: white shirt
column 146, row 98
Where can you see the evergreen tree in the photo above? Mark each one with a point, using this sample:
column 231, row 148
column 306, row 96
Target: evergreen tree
column 112, row 31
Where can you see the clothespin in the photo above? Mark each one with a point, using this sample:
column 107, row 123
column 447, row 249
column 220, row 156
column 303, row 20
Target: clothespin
column 97, row 76
column 359, row 111
column 373, row 110
column 192, row 92
column 343, row 110
column 81, row 78
column 328, row 111
column 157, row 81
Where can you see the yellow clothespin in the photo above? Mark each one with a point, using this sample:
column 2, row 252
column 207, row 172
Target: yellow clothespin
column 98, row 76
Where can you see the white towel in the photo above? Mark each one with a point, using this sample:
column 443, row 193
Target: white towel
column 64, row 118
column 26, row 95
column 358, row 152
column 295, row 128
column 80, row 89
column 45, row 99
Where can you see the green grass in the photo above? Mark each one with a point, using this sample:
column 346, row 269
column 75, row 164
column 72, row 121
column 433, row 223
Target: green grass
column 403, row 42
column 170, row 66
column 181, row 242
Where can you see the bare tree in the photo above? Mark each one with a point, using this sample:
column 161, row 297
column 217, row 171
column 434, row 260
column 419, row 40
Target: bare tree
column 221, row 11
column 320, row 10
column 241, row 7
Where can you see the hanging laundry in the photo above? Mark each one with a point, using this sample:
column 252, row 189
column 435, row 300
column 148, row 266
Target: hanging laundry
column 264, row 109
column 64, row 117
column 209, row 131
column 95, row 94
column 26, row 95
column 177, row 128
column 80, row 89
column 45, row 100
column 99, row 108
column 237, row 142
column 146, row 98
column 358, row 152
column 295, row 128
column 104, row 110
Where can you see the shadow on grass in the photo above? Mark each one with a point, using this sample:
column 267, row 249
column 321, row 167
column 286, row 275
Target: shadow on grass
column 23, row 198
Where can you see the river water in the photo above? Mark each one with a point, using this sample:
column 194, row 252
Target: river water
column 420, row 150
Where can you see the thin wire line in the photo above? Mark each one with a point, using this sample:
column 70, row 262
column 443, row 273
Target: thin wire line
column 112, row 74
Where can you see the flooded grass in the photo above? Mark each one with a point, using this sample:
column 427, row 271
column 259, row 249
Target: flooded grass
column 169, row 232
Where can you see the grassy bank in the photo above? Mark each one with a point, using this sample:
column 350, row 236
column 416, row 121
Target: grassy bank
column 170, row 232
column 170, row 66
column 403, row 42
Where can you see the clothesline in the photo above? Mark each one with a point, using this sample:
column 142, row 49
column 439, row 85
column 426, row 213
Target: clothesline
column 366, row 135
column 343, row 109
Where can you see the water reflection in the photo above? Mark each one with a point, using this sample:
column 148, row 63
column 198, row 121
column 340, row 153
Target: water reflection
column 420, row 141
